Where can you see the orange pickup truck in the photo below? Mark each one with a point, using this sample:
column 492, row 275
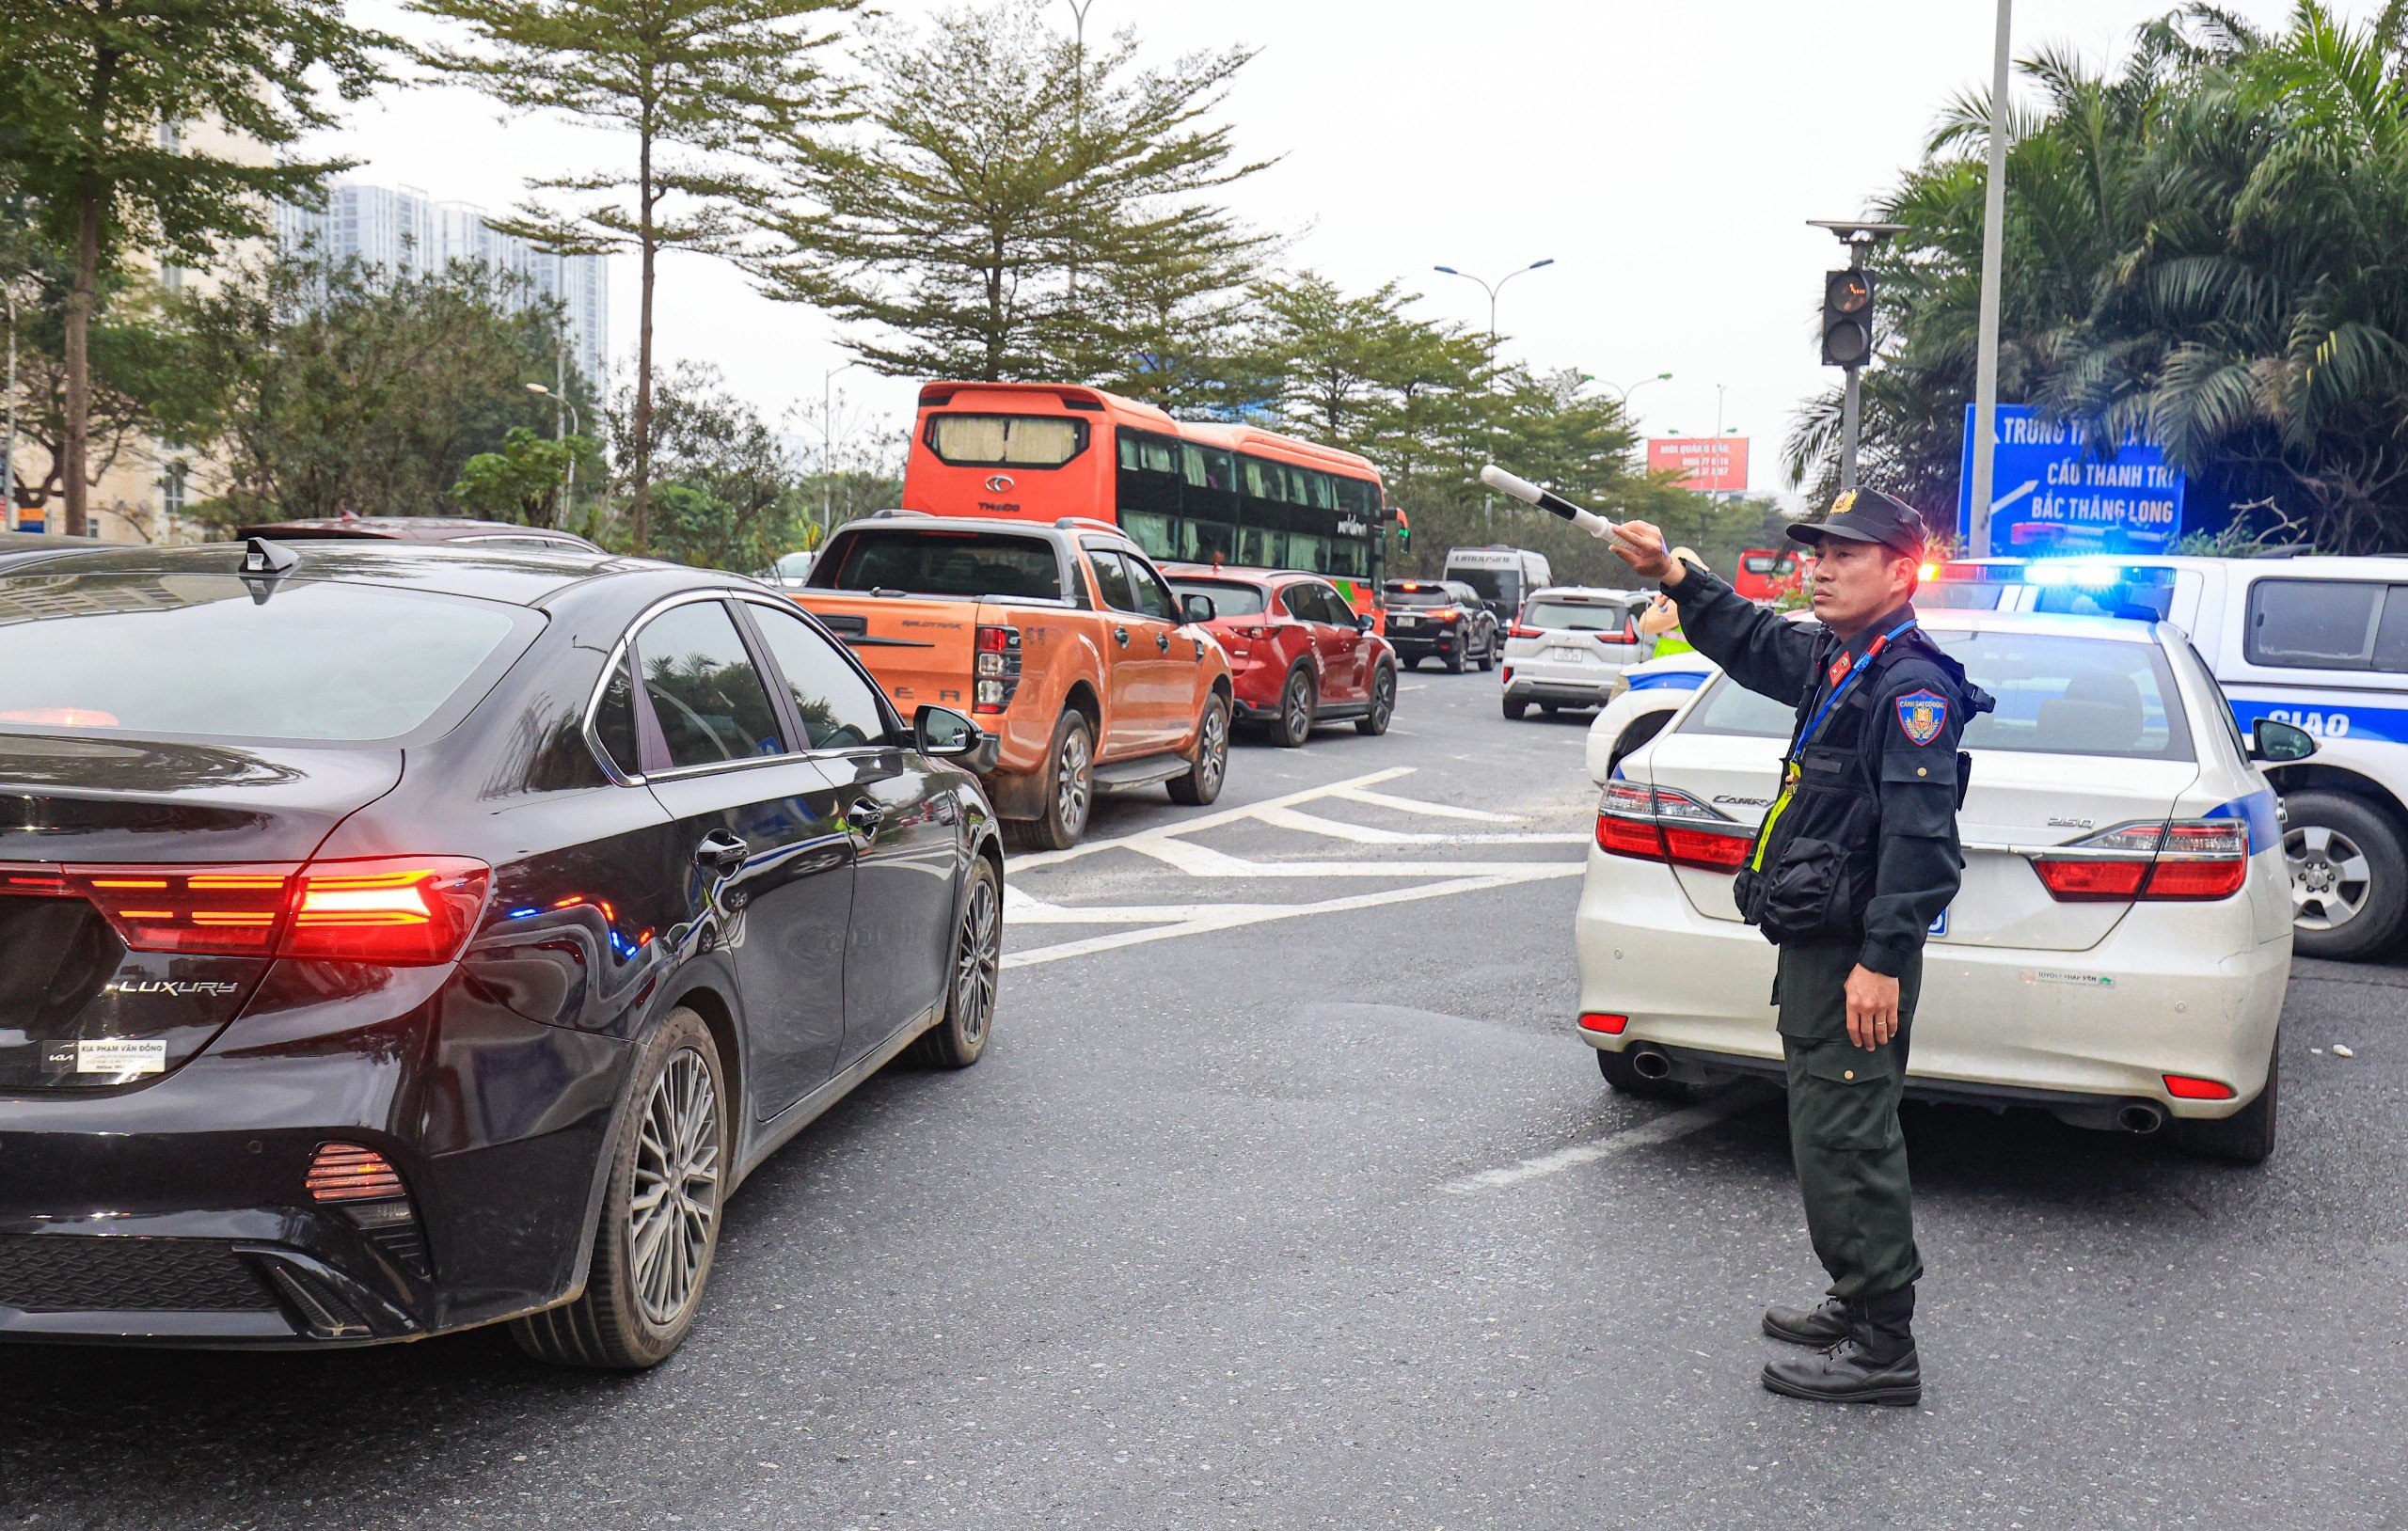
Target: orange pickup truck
column 1063, row 640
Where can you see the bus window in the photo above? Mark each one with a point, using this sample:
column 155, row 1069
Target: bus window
column 1262, row 548
column 1005, row 441
column 1148, row 491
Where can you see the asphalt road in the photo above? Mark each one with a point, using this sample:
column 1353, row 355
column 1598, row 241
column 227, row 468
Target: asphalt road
column 1285, row 1198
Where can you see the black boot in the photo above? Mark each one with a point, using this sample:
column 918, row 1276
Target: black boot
column 1815, row 1327
column 1875, row 1363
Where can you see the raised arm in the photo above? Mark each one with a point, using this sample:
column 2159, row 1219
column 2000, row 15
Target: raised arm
column 1764, row 651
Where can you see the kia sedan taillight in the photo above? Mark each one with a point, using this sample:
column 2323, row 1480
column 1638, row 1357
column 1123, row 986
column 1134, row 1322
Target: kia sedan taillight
column 397, row 911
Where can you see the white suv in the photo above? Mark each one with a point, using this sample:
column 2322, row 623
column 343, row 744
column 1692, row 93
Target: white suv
column 1569, row 647
column 2121, row 945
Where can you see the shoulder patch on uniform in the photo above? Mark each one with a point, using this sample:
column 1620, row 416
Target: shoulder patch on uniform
column 1922, row 715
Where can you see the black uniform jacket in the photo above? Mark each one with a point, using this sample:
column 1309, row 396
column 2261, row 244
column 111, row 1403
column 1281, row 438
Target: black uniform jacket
column 1909, row 746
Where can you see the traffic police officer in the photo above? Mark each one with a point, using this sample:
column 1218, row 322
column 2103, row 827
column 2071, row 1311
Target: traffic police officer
column 1857, row 858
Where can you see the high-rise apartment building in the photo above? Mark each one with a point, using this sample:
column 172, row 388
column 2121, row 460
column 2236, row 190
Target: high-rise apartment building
column 404, row 231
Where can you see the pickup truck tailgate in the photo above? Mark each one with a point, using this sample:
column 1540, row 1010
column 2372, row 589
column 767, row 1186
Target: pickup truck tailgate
column 920, row 649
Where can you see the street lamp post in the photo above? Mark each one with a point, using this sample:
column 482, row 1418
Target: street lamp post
column 568, row 490
column 828, row 437
column 1621, row 392
column 1491, row 289
column 1993, row 259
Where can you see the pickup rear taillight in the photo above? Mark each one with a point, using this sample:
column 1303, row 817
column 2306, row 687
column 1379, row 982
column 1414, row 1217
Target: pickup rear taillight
column 1658, row 823
column 998, row 677
column 401, row 911
column 2189, row 861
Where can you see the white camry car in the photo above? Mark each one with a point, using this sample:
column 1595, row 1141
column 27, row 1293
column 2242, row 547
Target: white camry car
column 2120, row 948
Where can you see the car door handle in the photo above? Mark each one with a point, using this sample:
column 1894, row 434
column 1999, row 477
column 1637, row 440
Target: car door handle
column 1121, row 634
column 1162, row 641
column 722, row 852
column 865, row 814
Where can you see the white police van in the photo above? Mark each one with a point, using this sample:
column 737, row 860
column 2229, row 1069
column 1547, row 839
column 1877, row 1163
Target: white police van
column 2319, row 642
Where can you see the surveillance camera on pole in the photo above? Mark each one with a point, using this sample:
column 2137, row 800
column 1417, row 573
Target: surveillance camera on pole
column 1847, row 323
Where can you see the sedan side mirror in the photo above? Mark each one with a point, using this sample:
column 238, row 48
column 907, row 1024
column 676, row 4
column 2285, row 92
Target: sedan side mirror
column 943, row 734
column 2278, row 743
column 1197, row 608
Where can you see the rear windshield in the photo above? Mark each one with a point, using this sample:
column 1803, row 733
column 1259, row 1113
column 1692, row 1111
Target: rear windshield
column 931, row 562
column 193, row 654
column 1426, row 595
column 2056, row 695
column 1229, row 597
column 1005, row 441
column 1576, row 616
column 1493, row 584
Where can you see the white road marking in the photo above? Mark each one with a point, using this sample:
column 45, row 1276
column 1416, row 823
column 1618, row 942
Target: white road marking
column 1167, row 845
column 1359, row 792
column 1679, row 1124
column 1208, row 918
column 1202, row 821
column 1363, row 835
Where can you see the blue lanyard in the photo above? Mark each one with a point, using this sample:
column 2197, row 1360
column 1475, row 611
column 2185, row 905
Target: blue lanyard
column 1815, row 724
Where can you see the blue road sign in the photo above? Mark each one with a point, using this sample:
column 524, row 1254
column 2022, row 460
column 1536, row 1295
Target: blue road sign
column 2052, row 494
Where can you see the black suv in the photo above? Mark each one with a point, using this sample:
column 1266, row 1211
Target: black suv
column 1441, row 619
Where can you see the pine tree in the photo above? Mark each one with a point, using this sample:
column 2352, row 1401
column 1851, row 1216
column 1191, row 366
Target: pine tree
column 97, row 92
column 996, row 158
column 702, row 86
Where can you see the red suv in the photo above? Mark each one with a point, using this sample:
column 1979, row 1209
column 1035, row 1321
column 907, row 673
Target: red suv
column 1298, row 654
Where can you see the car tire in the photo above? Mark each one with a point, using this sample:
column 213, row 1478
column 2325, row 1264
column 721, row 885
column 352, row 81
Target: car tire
column 1514, row 709
column 2247, row 1136
column 1455, row 661
column 1201, row 783
column 1069, row 789
column 1488, row 654
column 1375, row 722
column 1553, row 709
column 1295, row 723
column 2337, row 843
column 1627, row 1080
column 636, row 1310
column 959, row 1039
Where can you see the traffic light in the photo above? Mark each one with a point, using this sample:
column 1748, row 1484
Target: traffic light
column 1847, row 318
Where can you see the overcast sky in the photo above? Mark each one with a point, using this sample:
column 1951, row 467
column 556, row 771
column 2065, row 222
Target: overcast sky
column 1666, row 154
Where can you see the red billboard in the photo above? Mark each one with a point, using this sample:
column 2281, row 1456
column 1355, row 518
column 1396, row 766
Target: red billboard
column 1710, row 465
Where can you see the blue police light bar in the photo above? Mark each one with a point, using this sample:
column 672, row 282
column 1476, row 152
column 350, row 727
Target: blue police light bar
column 2083, row 575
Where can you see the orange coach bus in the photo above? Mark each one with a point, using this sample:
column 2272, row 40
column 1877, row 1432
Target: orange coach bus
column 1185, row 492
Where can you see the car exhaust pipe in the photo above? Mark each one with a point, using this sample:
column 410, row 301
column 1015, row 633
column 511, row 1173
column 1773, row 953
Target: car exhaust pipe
column 1651, row 1064
column 2140, row 1118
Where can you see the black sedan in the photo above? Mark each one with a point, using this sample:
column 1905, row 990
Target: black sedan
column 397, row 939
column 1442, row 620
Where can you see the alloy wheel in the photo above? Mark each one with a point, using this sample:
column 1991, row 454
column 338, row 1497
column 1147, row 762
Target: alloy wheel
column 2330, row 877
column 1299, row 709
column 1214, row 761
column 1383, row 698
column 674, row 1199
column 1073, row 790
column 974, row 967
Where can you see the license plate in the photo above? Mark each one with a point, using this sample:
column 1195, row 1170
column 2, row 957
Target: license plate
column 1568, row 656
column 1408, row 622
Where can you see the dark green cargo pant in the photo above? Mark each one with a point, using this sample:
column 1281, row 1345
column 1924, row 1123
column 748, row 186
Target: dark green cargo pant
column 1843, row 1122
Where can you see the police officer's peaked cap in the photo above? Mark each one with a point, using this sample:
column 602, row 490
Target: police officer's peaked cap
column 1868, row 515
